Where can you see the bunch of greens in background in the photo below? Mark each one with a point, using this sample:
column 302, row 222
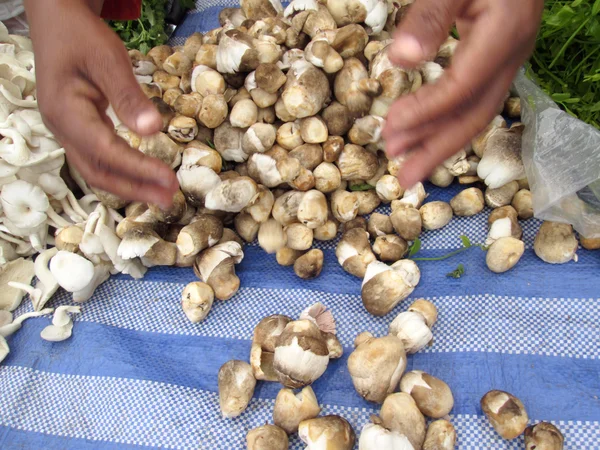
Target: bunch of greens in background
column 566, row 60
column 149, row 30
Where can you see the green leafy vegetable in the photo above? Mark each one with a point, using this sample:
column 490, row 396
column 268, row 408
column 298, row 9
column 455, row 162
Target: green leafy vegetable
column 361, row 187
column 459, row 272
column 566, row 60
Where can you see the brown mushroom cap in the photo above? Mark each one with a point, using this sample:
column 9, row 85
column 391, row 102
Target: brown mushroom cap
column 407, row 223
column 267, row 437
column 334, row 431
column 390, row 248
column 290, row 409
column 357, row 163
column 555, row 243
column 504, row 254
column 379, row 225
column 543, row 436
column 441, row 435
column 400, row 413
column 426, row 309
column 354, row 252
column 236, row 387
column 523, row 204
column 505, row 412
column 435, row 215
column 468, row 202
column 309, row 265
column 432, row 396
column 501, row 196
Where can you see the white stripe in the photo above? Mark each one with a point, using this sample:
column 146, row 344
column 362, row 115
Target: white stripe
column 160, row 414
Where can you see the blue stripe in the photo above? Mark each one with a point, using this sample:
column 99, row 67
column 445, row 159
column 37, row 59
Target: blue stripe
column 541, row 383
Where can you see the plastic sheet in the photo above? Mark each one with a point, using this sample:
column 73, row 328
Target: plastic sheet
column 561, row 155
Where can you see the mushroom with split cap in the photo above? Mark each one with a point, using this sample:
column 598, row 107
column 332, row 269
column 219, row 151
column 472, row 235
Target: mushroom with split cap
column 503, row 227
column 327, row 432
column 196, row 300
column 354, row 89
column 384, row 286
column 414, row 196
column 285, row 208
column 354, row 252
column 457, row 164
column 390, row 248
column 267, row 437
column 412, row 329
column 258, row 138
column 262, row 351
column 270, row 27
column 376, row 366
column 236, row 384
column 236, row 53
column 357, row 163
column 376, row 437
column 291, row 409
column 432, row 396
column 320, row 53
column 543, row 436
column 505, row 412
column 232, row 195
column 215, row 267
column 400, row 413
column 306, row 90
column 555, row 243
column 367, row 130
column 388, row 188
column 183, row 129
column 379, row 225
column 441, row 435
column 289, row 136
column 261, row 209
column 501, row 162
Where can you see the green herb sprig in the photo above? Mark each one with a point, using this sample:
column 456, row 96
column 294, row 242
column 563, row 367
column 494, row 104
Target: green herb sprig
column 416, row 247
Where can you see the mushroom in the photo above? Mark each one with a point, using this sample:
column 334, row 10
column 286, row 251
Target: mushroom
column 468, row 202
column 196, row 300
column 501, row 161
column 344, row 205
column 357, row 163
column 327, row 177
column 327, row 432
column 20, row 271
column 480, row 141
column 159, row 54
column 414, row 196
column 71, row 271
column 523, row 204
column 206, row 81
column 287, row 257
column 172, row 214
column 267, row 437
column 354, row 89
column 505, row 412
column 372, row 14
column 502, row 196
column 306, row 90
column 183, row 129
column 263, row 346
column 215, row 267
column 412, row 329
column 291, row 409
column 375, row 437
column 504, row 254
column 236, row 52
column 326, row 232
column 261, row 209
column 354, row 253
column 177, row 64
column 407, row 222
column 432, row 396
column 313, row 130
column 8, row 326
column 358, row 222
column 435, row 215
column 271, row 236
column 313, row 210
column 236, row 387
column 400, row 413
column 320, row 53
column 338, row 119
column 213, row 111
column 288, row 136
column 388, row 188
column 299, row 236
column 376, row 366
column 260, row 9
column 379, row 225
column 503, row 222
column 555, row 243
column 589, row 243
column 543, row 436
column 301, row 354
column 258, row 138
column 232, row 195
column 309, row 265
column 441, row 435
column 244, row 114
column 205, row 231
column 285, row 208
column 390, row 248
column 457, row 164
column 512, row 107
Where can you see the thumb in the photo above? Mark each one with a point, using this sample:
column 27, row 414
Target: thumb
column 421, row 32
column 120, row 87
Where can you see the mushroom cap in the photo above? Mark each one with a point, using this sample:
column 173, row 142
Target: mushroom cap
column 407, row 222
column 435, row 215
column 468, row 202
column 290, row 409
column 310, row 264
column 301, row 354
column 72, row 272
column 357, row 163
column 501, row 196
column 354, row 252
column 375, row 437
column 236, row 384
column 196, row 300
column 543, row 436
column 432, row 396
column 376, row 366
column 232, row 195
column 24, row 204
column 328, row 432
column 427, row 309
column 555, row 243
column 313, row 209
column 501, row 161
column 390, row 248
column 505, row 412
column 267, row 331
column 411, row 328
column 384, row 286
column 523, row 204
column 267, row 437
column 441, row 435
column 504, row 254
column 400, row 413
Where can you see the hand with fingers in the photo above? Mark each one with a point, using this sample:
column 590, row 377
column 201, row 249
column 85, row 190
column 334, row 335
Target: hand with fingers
column 440, row 119
column 81, row 67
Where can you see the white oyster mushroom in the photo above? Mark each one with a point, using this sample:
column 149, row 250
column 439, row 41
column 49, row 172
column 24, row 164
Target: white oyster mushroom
column 18, row 271
column 61, row 315
column 376, row 437
column 4, row 350
column 411, row 328
column 13, row 326
column 46, row 284
column 62, row 324
column 72, row 272
column 101, row 274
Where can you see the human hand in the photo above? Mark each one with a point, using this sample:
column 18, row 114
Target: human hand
column 81, row 68
column 438, row 120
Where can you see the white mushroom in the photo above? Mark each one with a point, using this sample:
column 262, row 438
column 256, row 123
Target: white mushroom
column 411, row 328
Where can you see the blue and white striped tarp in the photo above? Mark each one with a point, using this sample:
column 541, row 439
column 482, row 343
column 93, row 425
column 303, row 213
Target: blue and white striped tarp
column 137, row 374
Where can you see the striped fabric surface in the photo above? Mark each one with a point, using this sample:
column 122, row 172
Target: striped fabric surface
column 137, row 374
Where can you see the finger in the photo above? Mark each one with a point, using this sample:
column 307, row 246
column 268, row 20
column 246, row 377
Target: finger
column 421, row 32
column 124, row 187
column 453, row 134
column 477, row 60
column 110, row 70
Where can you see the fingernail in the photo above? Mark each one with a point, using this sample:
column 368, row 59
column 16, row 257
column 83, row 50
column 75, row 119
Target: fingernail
column 408, row 48
column 146, row 121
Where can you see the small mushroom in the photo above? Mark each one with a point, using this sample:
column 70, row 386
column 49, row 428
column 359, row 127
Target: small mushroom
column 299, row 236
column 502, row 196
column 285, row 209
column 205, row 231
column 468, row 202
column 376, row 366
column 543, row 436
column 232, row 195
column 414, row 196
column 288, row 136
column 358, row 222
column 426, row 309
column 183, row 129
column 267, row 437
column 411, row 328
column 213, row 111
column 271, row 236
column 196, row 300
column 326, row 232
column 435, row 215
column 172, row 214
column 313, row 130
column 327, row 432
column 512, row 108
column 357, row 163
column 306, row 90
column 388, row 188
column 589, row 243
column 301, row 354
column 368, row 201
column 379, row 225
column 441, row 177
column 290, row 409
column 432, row 396
column 441, row 435
column 313, row 210
column 344, row 205
column 69, row 238
column 236, row 387
column 215, row 267
column 523, row 204
column 338, row 119
column 263, row 346
column 246, row 226
column 244, row 114
column 390, row 248
column 400, row 413
column 504, row 254
column 354, row 252
column 407, row 222
column 285, row 256
column 309, row 265
column 505, row 412
column 555, row 243
column 375, row 437
column 327, row 177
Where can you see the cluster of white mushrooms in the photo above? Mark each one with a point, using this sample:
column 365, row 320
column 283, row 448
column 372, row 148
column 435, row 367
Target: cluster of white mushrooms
column 273, row 124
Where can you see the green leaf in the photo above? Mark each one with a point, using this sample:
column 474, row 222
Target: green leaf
column 414, row 248
column 561, row 97
column 361, row 187
column 458, row 272
column 466, row 241
column 596, row 8
column 210, row 144
column 144, row 48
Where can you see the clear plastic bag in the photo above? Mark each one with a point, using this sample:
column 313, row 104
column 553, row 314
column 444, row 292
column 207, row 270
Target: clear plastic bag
column 561, row 156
